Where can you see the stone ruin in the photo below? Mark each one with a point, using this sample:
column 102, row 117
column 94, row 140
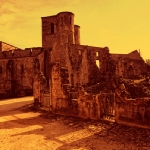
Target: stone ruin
column 68, row 78
column 125, row 101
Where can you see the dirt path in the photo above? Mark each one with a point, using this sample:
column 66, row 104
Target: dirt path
column 21, row 128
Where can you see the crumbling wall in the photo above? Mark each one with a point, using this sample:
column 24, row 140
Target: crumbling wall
column 131, row 69
column 129, row 66
column 41, row 61
column 76, row 57
column 88, row 107
column 17, row 80
column 23, row 76
column 5, row 82
column 129, row 111
column 96, row 106
column 58, row 88
column 17, row 71
column 133, row 112
column 28, row 52
column 97, row 61
column 82, row 64
column 39, row 89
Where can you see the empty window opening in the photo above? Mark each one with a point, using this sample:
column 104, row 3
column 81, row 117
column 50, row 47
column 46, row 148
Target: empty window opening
column 52, row 27
column 98, row 63
column 97, row 54
column 0, row 69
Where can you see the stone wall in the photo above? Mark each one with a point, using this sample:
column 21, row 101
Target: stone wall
column 58, row 88
column 133, row 112
column 68, row 66
column 132, row 69
column 17, row 71
column 82, row 63
column 58, row 29
column 28, row 52
column 17, row 76
column 129, row 65
column 5, row 82
column 88, row 106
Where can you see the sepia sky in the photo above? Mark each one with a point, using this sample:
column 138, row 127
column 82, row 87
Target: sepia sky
column 121, row 25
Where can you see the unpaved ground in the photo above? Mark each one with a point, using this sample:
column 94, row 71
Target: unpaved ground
column 22, row 128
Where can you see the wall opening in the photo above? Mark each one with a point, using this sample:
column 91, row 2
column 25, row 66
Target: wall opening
column 52, row 27
column 97, row 54
column 98, row 63
column 0, row 69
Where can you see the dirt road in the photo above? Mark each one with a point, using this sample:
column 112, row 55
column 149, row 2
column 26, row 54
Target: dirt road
column 22, row 128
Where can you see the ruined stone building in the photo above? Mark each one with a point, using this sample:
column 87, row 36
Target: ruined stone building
column 83, row 65
column 71, row 78
column 17, row 71
column 61, row 34
column 129, row 66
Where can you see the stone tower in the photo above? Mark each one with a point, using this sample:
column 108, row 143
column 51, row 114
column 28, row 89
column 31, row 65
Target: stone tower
column 77, row 34
column 58, row 31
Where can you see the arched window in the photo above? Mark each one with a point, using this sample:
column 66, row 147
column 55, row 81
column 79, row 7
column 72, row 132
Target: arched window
column 52, row 27
column 0, row 69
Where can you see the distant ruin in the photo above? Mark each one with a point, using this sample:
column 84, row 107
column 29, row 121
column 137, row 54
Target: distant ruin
column 77, row 80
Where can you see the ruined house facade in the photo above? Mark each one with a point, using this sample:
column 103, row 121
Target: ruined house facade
column 79, row 65
column 60, row 33
column 17, row 71
column 73, row 66
column 58, row 73
column 129, row 66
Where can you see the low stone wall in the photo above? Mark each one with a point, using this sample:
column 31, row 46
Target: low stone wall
column 133, row 112
column 45, row 100
column 89, row 109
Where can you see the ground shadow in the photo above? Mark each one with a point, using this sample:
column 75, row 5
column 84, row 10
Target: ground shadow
column 76, row 133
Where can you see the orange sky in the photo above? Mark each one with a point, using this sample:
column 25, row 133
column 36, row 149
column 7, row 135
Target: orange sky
column 121, row 25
